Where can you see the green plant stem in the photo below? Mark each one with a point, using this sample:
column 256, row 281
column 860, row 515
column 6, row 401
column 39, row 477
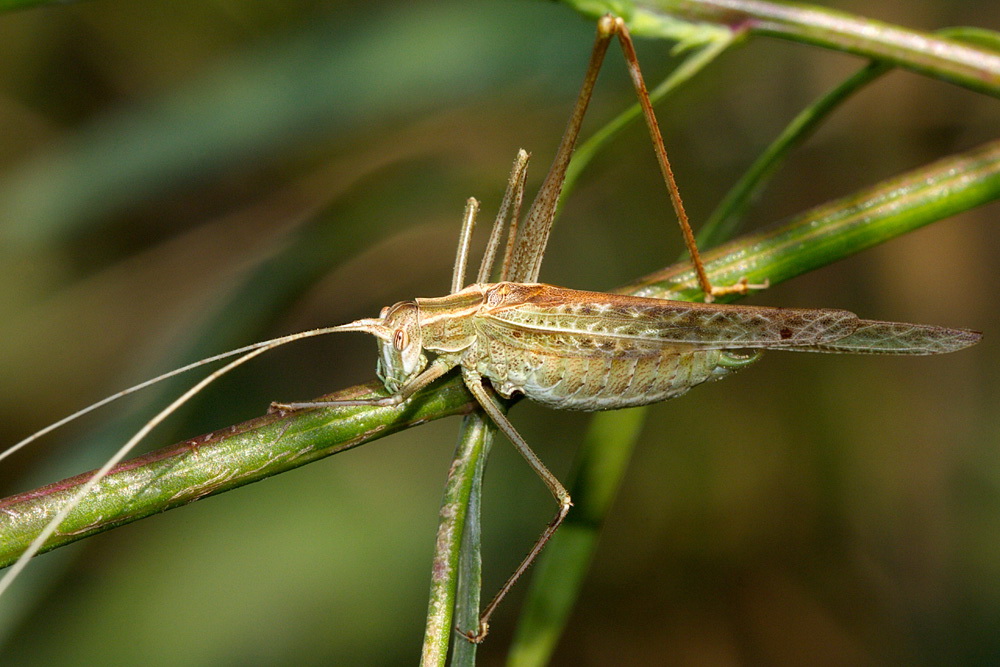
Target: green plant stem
column 842, row 227
column 457, row 563
column 214, row 463
column 939, row 57
column 248, row 452
column 722, row 224
column 724, row 220
column 481, row 431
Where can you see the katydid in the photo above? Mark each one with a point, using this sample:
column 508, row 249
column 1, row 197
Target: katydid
column 563, row 348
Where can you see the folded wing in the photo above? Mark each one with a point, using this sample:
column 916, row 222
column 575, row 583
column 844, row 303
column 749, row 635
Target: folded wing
column 538, row 311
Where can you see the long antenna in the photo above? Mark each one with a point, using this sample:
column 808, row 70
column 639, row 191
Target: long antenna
column 373, row 326
column 360, row 325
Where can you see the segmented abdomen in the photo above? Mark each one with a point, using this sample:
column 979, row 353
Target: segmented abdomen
column 597, row 379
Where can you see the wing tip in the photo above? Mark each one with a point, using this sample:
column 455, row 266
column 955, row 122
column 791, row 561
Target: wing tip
column 876, row 337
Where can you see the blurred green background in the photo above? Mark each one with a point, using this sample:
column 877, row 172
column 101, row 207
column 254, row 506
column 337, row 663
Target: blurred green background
column 181, row 177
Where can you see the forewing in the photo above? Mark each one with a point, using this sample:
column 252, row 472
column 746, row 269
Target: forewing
column 877, row 337
column 556, row 311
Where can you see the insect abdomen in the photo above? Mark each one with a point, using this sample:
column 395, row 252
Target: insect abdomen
column 600, row 380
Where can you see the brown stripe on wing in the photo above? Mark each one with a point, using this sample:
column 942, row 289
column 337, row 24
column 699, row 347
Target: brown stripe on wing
column 549, row 310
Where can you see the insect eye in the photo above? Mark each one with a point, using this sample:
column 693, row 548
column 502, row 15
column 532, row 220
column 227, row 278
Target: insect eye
column 399, row 339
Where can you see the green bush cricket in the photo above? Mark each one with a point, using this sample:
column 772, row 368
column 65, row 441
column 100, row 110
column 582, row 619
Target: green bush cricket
column 566, row 348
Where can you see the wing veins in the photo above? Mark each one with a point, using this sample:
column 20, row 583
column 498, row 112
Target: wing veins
column 561, row 311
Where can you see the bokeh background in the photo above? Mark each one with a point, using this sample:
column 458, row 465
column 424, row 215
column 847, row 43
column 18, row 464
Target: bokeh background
column 181, row 177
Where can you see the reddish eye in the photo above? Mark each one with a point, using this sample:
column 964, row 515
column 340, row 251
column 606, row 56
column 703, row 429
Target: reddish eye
column 399, row 339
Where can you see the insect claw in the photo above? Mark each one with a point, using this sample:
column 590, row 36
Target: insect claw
column 741, row 286
column 477, row 636
column 609, row 25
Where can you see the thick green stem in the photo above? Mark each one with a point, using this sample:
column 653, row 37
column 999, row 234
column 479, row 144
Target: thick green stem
column 939, row 57
column 214, row 463
column 841, row 228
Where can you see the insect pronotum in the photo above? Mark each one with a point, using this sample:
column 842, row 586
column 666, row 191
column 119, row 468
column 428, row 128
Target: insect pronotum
column 563, row 348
